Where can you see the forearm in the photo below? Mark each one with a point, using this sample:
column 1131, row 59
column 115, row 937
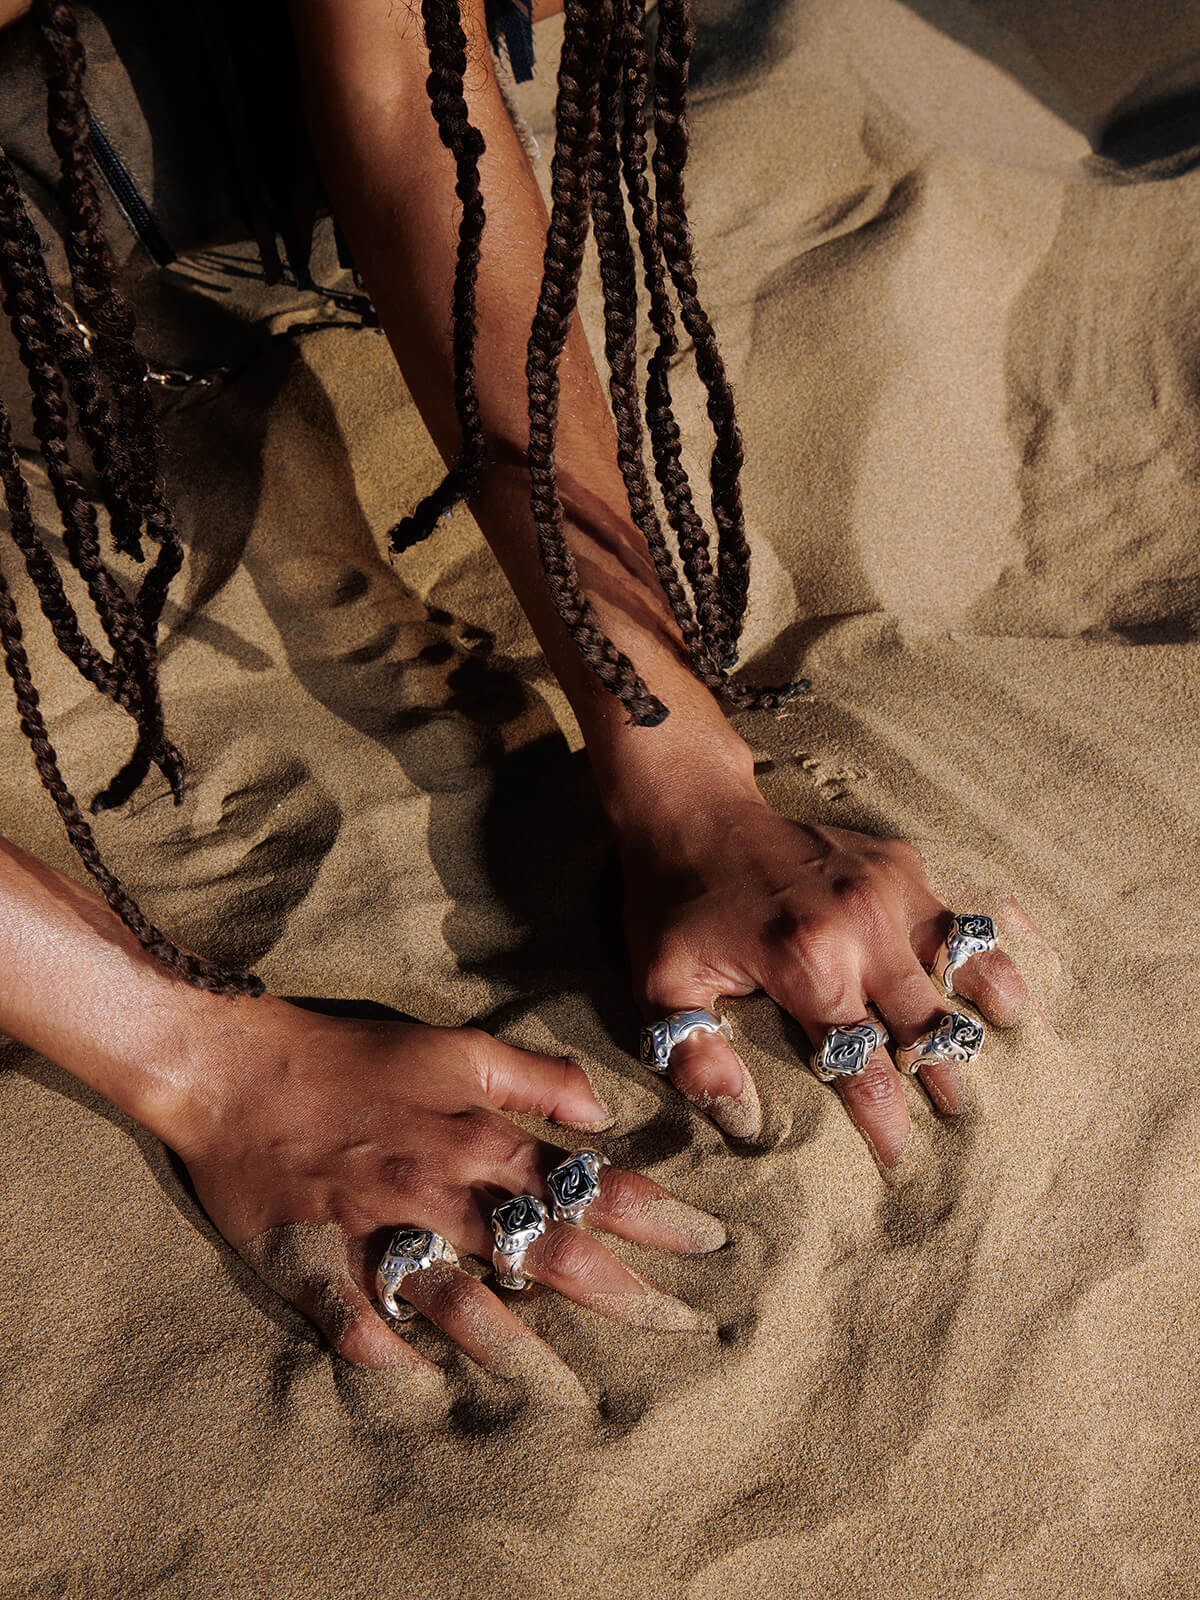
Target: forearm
column 391, row 182
column 79, row 988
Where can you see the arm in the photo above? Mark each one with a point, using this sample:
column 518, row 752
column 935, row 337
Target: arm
column 723, row 896
column 310, row 1138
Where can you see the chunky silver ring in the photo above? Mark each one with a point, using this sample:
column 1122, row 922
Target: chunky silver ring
column 409, row 1250
column 846, row 1050
column 971, row 933
column 660, row 1038
column 957, row 1037
column 574, row 1184
column 516, row 1224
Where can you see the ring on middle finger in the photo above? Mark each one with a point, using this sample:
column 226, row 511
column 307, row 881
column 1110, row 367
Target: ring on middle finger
column 957, row 1037
column 517, row 1224
column 847, row 1049
column 574, row 1184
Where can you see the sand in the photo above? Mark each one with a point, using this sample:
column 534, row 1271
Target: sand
column 966, row 356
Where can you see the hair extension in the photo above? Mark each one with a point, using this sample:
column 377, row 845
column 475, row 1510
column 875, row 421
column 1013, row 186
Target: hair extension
column 447, row 45
column 618, row 275
column 585, row 35
column 108, row 387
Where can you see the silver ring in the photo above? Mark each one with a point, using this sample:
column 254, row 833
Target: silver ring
column 516, row 1224
column 846, row 1050
column 957, row 1037
column 660, row 1038
column 971, row 933
column 574, row 1184
column 409, row 1250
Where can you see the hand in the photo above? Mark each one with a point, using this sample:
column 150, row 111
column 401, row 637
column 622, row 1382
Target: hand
column 335, row 1133
column 724, row 896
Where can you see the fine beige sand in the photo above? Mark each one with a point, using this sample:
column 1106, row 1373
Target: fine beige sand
column 967, row 353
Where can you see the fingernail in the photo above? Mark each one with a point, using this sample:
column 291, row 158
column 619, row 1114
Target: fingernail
column 698, row 1231
column 739, row 1115
column 888, row 1155
column 652, row 1309
column 603, row 1119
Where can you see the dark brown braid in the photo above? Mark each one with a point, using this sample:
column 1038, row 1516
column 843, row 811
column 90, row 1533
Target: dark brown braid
column 107, row 385
column 618, row 276
column 447, row 45
column 586, row 31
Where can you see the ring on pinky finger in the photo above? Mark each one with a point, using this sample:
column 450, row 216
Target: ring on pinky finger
column 409, row 1250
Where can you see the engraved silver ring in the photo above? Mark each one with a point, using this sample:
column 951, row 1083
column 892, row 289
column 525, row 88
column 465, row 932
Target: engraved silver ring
column 971, row 933
column 516, row 1224
column 409, row 1250
column 846, row 1050
column 957, row 1037
column 660, row 1038
column 574, row 1184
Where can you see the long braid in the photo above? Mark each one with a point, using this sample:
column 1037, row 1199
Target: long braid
column 103, row 309
column 587, row 27
column 672, row 57
column 194, row 969
column 447, row 44
column 618, row 275
column 665, row 438
column 116, row 420
column 97, row 301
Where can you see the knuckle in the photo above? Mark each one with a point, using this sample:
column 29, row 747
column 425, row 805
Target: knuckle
column 622, row 1194
column 816, row 953
column 877, row 1086
column 565, row 1252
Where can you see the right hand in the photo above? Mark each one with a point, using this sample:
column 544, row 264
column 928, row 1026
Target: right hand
column 333, row 1133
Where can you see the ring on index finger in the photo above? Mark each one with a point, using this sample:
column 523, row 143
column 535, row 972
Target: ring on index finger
column 660, row 1038
column 847, row 1049
column 971, row 933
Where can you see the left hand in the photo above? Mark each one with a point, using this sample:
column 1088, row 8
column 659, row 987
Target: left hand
column 724, row 896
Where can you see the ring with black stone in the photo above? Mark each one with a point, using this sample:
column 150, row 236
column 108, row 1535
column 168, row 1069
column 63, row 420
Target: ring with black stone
column 516, row 1224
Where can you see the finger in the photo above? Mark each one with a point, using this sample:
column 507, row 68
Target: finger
column 704, row 1067
column 470, row 1314
column 910, row 1003
column 635, row 1207
column 993, row 985
column 310, row 1265
column 628, row 1204
column 577, row 1265
column 544, row 1086
column 350, row 1322
column 875, row 1100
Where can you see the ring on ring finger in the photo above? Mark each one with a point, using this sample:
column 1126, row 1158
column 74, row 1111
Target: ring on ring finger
column 409, row 1250
column 516, row 1224
column 957, row 1037
column 846, row 1049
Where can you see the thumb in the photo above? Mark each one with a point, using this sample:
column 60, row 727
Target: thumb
column 545, row 1086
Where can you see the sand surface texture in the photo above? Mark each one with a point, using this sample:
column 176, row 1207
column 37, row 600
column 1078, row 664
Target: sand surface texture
column 966, row 350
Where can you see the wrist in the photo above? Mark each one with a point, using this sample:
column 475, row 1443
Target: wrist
column 655, row 781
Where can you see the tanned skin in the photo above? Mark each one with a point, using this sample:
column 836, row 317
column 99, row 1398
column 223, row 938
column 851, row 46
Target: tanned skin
column 309, row 1138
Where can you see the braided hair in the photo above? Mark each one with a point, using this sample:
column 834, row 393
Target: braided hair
column 607, row 102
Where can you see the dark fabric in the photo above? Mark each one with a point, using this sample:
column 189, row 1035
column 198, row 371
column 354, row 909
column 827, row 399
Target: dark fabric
column 201, row 121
